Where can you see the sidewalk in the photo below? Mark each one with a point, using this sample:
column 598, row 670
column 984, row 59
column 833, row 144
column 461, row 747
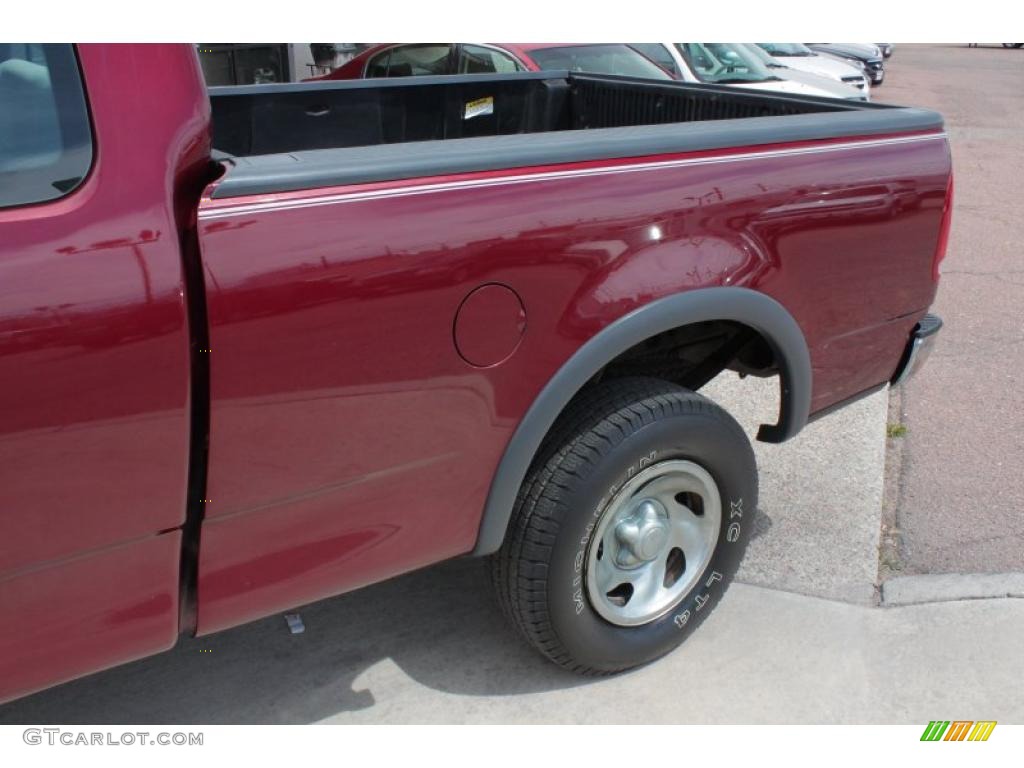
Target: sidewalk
column 820, row 506
column 799, row 639
column 431, row 647
column 766, row 656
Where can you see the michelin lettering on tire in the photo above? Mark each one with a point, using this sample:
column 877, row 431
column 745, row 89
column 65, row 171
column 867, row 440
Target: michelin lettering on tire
column 581, row 554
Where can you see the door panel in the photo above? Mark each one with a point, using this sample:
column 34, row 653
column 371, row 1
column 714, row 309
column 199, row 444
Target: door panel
column 94, row 378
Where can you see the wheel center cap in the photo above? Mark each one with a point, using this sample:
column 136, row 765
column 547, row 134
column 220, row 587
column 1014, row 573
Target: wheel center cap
column 643, row 534
column 653, row 541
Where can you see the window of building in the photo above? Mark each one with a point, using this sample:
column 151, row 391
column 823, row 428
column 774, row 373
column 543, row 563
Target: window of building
column 244, row 63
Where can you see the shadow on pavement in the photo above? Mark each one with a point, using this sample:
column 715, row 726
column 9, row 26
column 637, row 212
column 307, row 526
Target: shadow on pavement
column 440, row 626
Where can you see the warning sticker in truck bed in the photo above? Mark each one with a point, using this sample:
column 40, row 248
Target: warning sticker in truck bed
column 479, row 107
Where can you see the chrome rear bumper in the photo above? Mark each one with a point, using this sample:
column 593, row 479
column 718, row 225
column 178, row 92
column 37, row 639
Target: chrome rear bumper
column 920, row 345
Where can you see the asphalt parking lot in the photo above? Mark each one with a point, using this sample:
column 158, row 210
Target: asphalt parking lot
column 960, row 505
column 801, row 638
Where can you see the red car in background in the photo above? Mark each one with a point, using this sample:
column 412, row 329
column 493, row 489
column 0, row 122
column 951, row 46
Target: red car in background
column 412, row 59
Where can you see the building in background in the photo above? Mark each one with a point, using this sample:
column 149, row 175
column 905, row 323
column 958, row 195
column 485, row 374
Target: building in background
column 254, row 63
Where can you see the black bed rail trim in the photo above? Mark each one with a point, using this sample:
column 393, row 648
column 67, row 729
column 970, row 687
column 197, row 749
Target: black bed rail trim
column 312, row 86
column 311, row 169
column 360, row 165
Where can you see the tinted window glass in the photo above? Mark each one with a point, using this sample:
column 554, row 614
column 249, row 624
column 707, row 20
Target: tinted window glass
column 724, row 63
column 787, row 49
column 411, row 60
column 45, row 141
column 659, row 54
column 476, row 59
column 611, row 59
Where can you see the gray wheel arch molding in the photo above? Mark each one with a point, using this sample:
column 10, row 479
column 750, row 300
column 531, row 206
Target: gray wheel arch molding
column 743, row 305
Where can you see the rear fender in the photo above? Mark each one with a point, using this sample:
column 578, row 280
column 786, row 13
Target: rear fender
column 741, row 305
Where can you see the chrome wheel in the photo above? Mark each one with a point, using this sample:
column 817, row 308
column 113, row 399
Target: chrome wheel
column 653, row 541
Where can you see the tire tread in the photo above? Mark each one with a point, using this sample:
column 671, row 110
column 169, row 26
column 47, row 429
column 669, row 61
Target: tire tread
column 594, row 423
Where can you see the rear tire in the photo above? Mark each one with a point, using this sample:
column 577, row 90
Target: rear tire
column 629, row 526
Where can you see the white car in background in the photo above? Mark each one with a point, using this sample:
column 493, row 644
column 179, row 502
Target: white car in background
column 799, row 56
column 731, row 64
column 854, row 89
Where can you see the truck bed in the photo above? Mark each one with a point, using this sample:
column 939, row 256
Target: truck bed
column 354, row 221
column 300, row 136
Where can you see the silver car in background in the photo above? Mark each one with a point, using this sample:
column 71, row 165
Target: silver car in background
column 845, row 83
column 866, row 55
column 798, row 56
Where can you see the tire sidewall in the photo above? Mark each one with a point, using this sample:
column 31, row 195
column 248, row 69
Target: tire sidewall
column 705, row 438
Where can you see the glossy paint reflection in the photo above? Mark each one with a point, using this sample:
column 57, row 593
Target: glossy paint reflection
column 94, row 372
column 334, row 366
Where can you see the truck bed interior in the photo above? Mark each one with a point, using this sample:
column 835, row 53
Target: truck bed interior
column 292, row 118
column 292, row 136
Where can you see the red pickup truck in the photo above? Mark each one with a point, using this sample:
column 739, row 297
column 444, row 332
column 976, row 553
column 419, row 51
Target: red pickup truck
column 261, row 345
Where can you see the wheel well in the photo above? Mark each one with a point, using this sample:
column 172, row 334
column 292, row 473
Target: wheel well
column 669, row 338
column 693, row 354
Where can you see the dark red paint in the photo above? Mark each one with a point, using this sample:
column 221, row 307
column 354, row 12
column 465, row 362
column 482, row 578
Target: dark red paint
column 94, row 374
column 84, row 614
column 306, row 445
column 349, row 439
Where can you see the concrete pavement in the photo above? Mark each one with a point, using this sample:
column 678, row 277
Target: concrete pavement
column 947, row 587
column 808, row 661
column 819, row 510
column 432, row 648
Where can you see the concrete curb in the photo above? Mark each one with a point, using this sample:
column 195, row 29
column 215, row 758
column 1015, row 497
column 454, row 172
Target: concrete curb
column 948, row 587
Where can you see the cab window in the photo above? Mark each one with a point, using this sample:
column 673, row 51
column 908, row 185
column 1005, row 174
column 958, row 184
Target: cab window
column 45, row 139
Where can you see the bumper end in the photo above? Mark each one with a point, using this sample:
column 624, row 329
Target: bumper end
column 922, row 340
